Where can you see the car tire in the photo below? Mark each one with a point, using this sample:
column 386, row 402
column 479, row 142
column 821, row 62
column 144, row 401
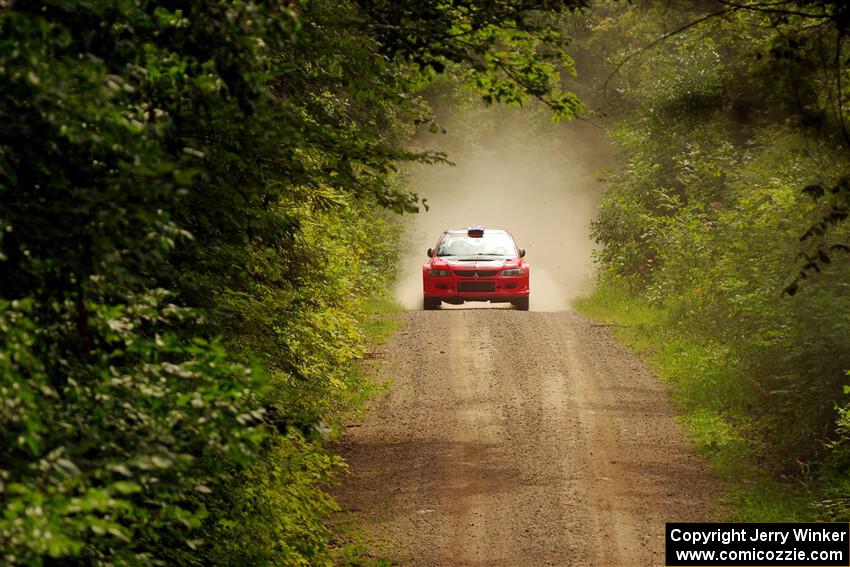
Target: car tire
column 521, row 304
column 429, row 303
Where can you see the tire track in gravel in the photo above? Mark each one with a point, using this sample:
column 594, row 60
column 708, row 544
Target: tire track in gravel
column 515, row 438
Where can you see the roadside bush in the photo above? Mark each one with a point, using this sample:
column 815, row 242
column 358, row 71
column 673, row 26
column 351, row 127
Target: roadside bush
column 124, row 446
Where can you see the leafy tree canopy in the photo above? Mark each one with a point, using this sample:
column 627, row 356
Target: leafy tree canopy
column 190, row 198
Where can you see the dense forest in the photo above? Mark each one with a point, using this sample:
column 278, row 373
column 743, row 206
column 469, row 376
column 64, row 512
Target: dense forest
column 723, row 241
column 195, row 207
column 199, row 202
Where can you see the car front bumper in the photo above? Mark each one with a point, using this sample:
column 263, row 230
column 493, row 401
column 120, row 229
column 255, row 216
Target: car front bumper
column 457, row 290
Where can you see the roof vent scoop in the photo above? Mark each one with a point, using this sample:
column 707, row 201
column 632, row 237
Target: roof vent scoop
column 476, row 231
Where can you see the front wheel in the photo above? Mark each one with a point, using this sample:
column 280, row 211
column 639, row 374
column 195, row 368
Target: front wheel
column 521, row 304
column 430, row 303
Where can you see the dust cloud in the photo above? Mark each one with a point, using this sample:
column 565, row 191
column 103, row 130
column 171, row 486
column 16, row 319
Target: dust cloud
column 537, row 179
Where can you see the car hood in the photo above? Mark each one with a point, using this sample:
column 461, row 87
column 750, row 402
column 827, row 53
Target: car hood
column 469, row 263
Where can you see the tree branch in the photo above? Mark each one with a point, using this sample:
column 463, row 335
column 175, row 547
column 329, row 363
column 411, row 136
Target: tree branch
column 839, row 104
column 664, row 37
column 767, row 9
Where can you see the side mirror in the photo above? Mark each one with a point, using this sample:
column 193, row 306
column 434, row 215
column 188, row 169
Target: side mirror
column 522, row 252
column 430, row 253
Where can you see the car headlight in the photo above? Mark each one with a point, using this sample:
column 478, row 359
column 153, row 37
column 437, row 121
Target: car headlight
column 514, row 272
column 439, row 273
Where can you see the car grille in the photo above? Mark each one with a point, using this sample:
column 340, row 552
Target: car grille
column 476, row 286
column 479, row 273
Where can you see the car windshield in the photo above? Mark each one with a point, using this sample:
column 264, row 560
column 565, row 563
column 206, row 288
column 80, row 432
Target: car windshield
column 493, row 243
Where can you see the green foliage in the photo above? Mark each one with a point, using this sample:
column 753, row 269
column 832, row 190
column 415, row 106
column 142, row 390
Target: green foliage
column 720, row 127
column 114, row 459
column 193, row 214
column 273, row 516
column 516, row 49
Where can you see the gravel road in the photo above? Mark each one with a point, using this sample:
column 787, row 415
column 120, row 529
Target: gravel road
column 520, row 438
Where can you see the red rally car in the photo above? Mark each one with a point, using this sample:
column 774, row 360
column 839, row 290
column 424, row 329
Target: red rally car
column 476, row 264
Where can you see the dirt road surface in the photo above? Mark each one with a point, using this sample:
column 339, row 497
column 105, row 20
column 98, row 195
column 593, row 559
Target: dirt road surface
column 520, row 438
